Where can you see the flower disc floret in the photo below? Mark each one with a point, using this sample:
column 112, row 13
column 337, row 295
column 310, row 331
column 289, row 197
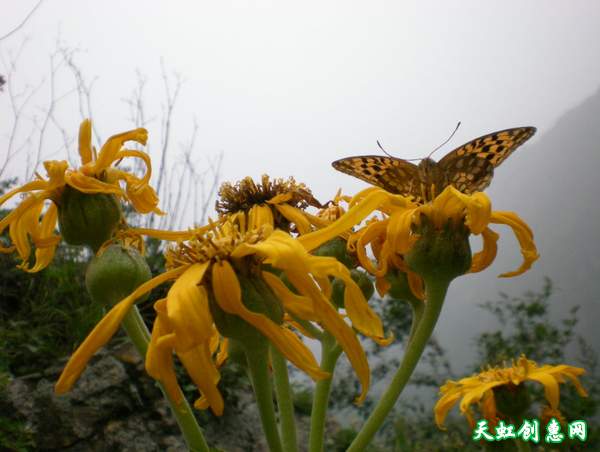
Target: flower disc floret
column 279, row 203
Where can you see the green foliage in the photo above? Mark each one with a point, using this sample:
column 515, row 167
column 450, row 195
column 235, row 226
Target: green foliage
column 527, row 329
column 43, row 315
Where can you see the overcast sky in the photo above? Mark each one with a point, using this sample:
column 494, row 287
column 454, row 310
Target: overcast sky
column 285, row 88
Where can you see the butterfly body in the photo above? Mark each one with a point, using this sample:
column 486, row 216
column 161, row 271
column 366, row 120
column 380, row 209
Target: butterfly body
column 469, row 168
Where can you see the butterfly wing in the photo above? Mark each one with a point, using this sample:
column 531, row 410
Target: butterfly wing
column 471, row 166
column 394, row 175
column 494, row 148
column 468, row 174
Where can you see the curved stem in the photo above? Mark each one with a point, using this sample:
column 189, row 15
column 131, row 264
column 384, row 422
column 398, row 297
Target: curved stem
column 140, row 336
column 331, row 351
column 436, row 293
column 418, row 307
column 257, row 357
column 285, row 403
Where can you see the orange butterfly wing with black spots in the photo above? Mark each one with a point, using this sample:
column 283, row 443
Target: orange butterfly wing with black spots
column 469, row 168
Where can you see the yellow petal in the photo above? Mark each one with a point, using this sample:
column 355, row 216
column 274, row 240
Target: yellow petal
column 228, row 294
column 295, row 216
column 85, row 141
column 330, row 320
column 159, row 359
column 360, row 313
column 299, row 306
column 95, row 340
column 551, row 391
column 201, row 369
column 351, row 218
column 486, row 256
column 187, row 308
column 108, row 153
column 103, row 332
column 90, row 185
column 259, row 215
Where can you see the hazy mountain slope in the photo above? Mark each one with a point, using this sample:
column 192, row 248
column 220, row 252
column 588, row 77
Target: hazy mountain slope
column 553, row 183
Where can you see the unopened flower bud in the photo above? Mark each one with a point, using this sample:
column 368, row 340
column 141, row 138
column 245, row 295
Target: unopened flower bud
column 88, row 219
column 336, row 247
column 338, row 287
column 116, row 274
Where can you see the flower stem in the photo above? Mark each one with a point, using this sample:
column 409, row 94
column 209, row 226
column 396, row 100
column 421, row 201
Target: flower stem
column 140, row 336
column 331, row 351
column 522, row 445
column 418, row 307
column 257, row 357
column 436, row 293
column 285, row 402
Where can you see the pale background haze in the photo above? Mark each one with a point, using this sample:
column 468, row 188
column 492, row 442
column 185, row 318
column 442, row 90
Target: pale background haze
column 285, row 88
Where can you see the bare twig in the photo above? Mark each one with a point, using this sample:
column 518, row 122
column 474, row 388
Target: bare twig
column 24, row 20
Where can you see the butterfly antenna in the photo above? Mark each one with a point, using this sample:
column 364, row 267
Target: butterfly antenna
column 384, row 151
column 449, row 138
column 389, row 155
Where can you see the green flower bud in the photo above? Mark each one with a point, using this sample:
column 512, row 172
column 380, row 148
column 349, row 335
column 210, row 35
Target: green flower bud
column 440, row 255
column 116, row 274
column 336, row 247
column 258, row 297
column 338, row 287
column 86, row 219
column 512, row 400
column 400, row 289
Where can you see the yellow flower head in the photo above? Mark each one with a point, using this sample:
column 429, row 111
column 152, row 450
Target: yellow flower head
column 96, row 175
column 211, row 272
column 280, row 203
column 478, row 389
column 394, row 236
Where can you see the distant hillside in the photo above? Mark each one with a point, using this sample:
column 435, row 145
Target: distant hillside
column 553, row 184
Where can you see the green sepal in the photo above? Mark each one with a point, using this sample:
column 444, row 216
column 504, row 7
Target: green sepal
column 512, row 400
column 440, row 255
column 257, row 297
column 116, row 274
column 400, row 288
column 88, row 219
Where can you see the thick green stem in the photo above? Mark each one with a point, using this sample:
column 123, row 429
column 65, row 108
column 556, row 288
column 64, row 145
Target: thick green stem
column 436, row 293
column 522, row 445
column 285, row 402
column 257, row 357
column 331, row 351
column 140, row 336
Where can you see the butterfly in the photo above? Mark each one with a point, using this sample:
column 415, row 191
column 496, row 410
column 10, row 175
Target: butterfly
column 468, row 168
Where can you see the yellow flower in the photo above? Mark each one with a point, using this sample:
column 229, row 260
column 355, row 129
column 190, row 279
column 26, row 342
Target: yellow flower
column 280, row 203
column 393, row 236
column 96, row 175
column 211, row 272
column 478, row 389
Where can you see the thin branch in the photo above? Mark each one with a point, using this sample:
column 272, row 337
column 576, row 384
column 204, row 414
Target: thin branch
column 24, row 20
